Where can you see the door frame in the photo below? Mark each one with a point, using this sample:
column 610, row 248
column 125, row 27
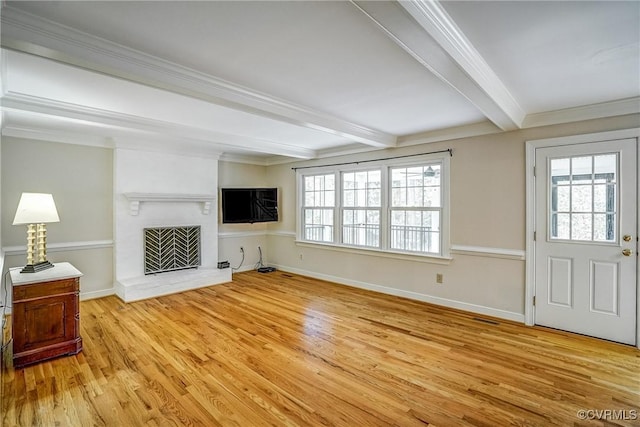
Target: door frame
column 530, row 257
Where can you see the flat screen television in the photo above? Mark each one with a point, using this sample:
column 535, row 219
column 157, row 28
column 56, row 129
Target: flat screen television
column 249, row 205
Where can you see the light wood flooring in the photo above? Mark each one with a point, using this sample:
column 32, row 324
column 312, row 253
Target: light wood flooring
column 285, row 350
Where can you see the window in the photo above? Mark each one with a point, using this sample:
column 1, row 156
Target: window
column 361, row 201
column 319, row 207
column 415, row 208
column 583, row 198
column 391, row 206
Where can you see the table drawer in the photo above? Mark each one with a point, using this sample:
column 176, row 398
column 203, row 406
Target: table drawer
column 45, row 289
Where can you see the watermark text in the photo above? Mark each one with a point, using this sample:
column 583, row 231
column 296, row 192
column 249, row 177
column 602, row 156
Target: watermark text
column 609, row 414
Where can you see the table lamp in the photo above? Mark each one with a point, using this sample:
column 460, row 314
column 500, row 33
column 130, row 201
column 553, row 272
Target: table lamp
column 35, row 210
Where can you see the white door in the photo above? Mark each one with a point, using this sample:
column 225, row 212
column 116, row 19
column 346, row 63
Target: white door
column 586, row 239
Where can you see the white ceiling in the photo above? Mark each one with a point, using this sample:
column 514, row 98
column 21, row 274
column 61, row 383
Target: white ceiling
column 270, row 81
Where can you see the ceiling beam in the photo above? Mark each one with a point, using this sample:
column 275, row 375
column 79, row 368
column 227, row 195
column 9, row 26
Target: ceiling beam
column 28, row 33
column 110, row 124
column 425, row 31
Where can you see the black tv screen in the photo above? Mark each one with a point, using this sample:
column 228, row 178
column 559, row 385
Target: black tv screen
column 249, row 205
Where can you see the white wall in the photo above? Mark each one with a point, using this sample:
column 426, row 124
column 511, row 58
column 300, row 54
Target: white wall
column 248, row 236
column 80, row 179
column 487, row 218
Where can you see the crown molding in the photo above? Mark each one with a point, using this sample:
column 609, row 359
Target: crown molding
column 245, row 159
column 425, row 31
column 447, row 134
column 31, row 34
column 50, row 135
column 619, row 107
column 152, row 128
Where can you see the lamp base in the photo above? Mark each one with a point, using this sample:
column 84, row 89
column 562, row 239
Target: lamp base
column 34, row 268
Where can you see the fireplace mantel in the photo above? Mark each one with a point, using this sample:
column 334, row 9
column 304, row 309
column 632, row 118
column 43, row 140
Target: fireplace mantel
column 136, row 198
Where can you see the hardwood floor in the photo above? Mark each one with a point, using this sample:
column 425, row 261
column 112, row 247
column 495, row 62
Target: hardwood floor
column 285, row 350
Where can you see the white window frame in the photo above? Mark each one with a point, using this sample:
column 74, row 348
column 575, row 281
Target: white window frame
column 385, row 229
column 342, row 208
column 301, row 206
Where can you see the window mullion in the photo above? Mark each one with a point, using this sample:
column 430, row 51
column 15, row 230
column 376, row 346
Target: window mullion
column 385, row 207
column 338, row 207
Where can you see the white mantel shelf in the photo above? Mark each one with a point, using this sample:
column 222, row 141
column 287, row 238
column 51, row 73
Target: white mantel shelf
column 136, row 198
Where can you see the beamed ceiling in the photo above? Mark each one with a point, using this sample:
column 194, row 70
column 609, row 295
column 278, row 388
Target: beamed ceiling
column 274, row 81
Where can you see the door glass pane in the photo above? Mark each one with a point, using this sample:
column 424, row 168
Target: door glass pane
column 561, row 226
column 581, row 198
column 599, row 198
column 600, row 227
column 582, row 201
column 581, row 227
column 581, row 168
column 560, row 170
column 564, row 199
column 605, row 167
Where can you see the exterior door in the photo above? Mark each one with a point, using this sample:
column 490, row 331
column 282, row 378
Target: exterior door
column 586, row 239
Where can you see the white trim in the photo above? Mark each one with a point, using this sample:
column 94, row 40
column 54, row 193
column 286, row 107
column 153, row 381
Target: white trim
column 29, row 33
column 385, row 164
column 481, row 251
column 249, row 159
column 433, row 18
column 460, row 305
column 583, row 138
column 62, row 247
column 457, row 132
column 433, row 259
column 170, row 133
column 243, row 269
column 135, row 199
column 513, row 254
column 290, row 234
column 531, row 146
column 429, row 35
column 241, row 234
column 84, row 296
column 619, row 107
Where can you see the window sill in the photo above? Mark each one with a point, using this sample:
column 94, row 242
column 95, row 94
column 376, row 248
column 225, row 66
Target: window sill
column 432, row 259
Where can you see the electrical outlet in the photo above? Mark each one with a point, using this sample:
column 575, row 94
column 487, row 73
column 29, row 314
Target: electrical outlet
column 439, row 278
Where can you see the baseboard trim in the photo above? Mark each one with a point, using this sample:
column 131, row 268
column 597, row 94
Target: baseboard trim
column 97, row 294
column 460, row 305
column 243, row 269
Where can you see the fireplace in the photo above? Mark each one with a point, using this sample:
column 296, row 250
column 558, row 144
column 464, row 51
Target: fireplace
column 166, row 220
column 171, row 248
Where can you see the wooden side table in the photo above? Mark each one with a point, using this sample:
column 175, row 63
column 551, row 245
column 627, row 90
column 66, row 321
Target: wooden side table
column 46, row 314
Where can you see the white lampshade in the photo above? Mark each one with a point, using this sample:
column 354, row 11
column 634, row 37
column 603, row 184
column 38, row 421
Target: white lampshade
column 36, row 208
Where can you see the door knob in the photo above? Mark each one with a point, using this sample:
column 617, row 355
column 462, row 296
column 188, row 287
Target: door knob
column 626, row 238
column 627, row 252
